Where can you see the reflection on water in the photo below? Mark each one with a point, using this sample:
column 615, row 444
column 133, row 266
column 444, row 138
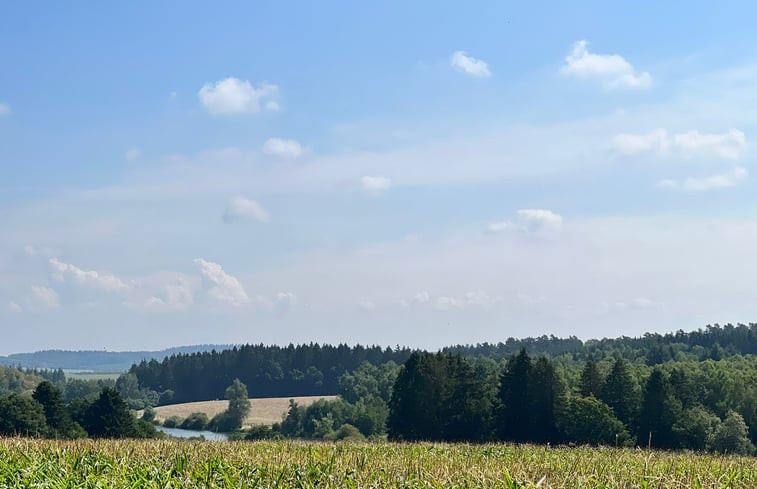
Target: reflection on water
column 179, row 433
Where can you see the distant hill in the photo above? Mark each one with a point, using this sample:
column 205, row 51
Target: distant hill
column 98, row 361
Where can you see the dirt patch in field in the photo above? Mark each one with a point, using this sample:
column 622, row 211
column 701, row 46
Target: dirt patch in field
column 264, row 411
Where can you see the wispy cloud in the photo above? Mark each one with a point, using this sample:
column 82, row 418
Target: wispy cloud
column 719, row 181
column 283, row 148
column 100, row 280
column 375, row 184
column 728, row 145
column 242, row 208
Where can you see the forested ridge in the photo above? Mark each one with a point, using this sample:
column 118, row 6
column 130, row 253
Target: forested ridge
column 313, row 369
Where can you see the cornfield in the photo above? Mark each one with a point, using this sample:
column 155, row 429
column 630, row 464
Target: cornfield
column 26, row 463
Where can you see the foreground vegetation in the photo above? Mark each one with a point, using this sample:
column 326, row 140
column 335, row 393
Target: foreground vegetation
column 165, row 464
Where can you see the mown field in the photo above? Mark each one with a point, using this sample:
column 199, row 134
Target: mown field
column 193, row 464
column 262, row 411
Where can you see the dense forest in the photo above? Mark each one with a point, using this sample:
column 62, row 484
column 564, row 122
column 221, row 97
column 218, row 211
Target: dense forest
column 270, row 371
column 313, row 369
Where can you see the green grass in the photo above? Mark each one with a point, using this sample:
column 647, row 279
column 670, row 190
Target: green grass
column 90, row 375
column 177, row 464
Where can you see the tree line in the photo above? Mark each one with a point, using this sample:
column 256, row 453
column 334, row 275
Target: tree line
column 313, row 369
column 445, row 397
column 46, row 413
column 274, row 371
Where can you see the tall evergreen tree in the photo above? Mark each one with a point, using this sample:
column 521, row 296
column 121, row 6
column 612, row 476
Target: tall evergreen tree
column 659, row 411
column 59, row 422
column 514, row 420
column 591, row 379
column 546, row 396
column 109, row 417
column 620, row 392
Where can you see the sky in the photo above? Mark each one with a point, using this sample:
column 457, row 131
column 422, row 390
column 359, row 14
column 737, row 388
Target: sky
column 413, row 173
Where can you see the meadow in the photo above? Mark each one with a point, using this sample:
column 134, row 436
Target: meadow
column 262, row 411
column 285, row 464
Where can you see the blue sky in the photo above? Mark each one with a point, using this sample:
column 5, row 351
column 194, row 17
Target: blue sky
column 423, row 174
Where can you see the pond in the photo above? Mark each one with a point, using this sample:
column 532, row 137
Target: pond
column 179, row 433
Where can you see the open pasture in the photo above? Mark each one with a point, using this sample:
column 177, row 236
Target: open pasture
column 262, row 411
column 193, row 464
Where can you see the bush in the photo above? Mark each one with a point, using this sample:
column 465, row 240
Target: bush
column 347, row 432
column 589, row 420
column 262, row 432
column 195, row 421
column 731, row 436
column 173, row 422
column 148, row 414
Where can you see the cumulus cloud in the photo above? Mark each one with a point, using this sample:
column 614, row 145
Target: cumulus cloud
column 612, row 70
column 242, row 208
column 92, row 278
column 235, row 96
column 468, row 64
column 284, row 148
column 226, row 288
column 12, row 306
column 44, row 297
column 133, row 154
column 176, row 294
column 366, row 305
column 728, row 145
column 540, row 219
column 375, row 184
column 723, row 180
column 536, row 221
column 4, row 108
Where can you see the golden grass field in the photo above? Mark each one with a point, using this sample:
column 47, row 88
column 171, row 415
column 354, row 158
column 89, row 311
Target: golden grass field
column 26, row 463
column 263, row 411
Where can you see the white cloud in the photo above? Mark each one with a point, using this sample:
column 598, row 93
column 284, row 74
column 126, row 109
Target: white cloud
column 540, row 218
column 285, row 148
column 533, row 221
column 242, row 208
column 375, row 184
column 45, row 297
column 366, row 305
column 178, row 294
column 133, row 154
column 272, row 106
column 612, row 70
column 14, row 307
column 226, row 288
column 726, row 145
column 233, row 96
column 4, row 108
column 724, row 180
column 468, row 64
column 496, row 227
column 655, row 141
column 92, row 278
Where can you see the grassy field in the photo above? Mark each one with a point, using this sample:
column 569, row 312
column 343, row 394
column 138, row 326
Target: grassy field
column 90, row 375
column 263, row 411
column 191, row 464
